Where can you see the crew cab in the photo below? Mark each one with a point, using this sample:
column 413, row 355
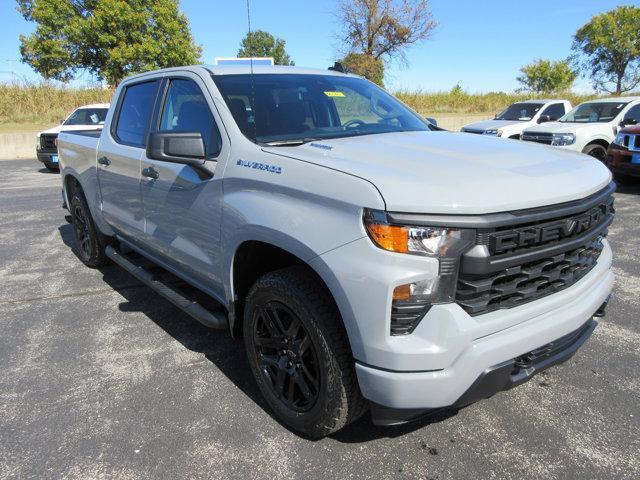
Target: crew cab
column 514, row 119
column 369, row 260
column 590, row 127
column 88, row 117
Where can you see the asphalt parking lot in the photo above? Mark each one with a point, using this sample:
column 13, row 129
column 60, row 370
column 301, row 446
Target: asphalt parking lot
column 102, row 378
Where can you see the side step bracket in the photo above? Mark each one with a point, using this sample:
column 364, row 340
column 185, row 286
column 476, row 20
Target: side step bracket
column 213, row 319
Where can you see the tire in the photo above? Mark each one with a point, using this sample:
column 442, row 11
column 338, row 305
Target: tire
column 315, row 360
column 596, row 151
column 89, row 242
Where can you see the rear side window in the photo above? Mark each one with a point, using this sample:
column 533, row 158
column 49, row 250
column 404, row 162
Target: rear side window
column 135, row 110
column 186, row 110
column 555, row 111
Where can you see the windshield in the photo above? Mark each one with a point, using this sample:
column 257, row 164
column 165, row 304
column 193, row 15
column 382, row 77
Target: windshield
column 594, row 112
column 87, row 116
column 520, row 112
column 277, row 108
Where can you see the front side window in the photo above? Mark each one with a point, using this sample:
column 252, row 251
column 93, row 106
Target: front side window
column 554, row 111
column 185, row 110
column 522, row 112
column 135, row 111
column 633, row 115
column 87, row 116
column 594, row 112
column 276, row 108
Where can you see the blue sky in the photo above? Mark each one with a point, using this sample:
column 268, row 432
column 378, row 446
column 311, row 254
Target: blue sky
column 479, row 44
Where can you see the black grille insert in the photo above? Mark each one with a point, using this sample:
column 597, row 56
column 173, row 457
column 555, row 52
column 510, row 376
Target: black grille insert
column 48, row 141
column 524, row 283
column 538, row 137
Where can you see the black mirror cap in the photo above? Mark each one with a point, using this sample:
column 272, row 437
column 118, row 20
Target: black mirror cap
column 544, row 118
column 628, row 121
column 432, row 121
column 176, row 147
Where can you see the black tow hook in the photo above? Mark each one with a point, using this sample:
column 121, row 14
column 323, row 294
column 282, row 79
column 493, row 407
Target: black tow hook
column 602, row 309
column 68, row 218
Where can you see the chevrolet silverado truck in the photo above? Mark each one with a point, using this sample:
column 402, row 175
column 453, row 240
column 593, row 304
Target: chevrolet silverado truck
column 368, row 260
column 88, row 117
column 514, row 119
column 589, row 128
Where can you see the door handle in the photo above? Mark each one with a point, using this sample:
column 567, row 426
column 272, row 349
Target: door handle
column 150, row 172
column 104, row 161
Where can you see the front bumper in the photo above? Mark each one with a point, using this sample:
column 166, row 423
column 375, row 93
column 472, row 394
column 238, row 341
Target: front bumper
column 45, row 157
column 497, row 378
column 618, row 160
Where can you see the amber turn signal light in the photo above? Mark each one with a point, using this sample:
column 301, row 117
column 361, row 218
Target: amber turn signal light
column 389, row 237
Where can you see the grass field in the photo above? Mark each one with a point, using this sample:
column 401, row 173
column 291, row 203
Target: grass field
column 32, row 107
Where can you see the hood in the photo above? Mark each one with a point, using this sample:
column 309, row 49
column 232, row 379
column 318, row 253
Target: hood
column 71, row 128
column 562, row 127
column 487, row 124
column 444, row 172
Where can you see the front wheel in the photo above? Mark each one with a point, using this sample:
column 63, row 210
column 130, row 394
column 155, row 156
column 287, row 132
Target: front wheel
column 299, row 353
column 596, row 151
column 90, row 243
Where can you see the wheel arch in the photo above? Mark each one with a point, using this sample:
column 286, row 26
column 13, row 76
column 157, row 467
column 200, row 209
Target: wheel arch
column 254, row 257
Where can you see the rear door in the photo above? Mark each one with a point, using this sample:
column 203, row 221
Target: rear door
column 182, row 203
column 119, row 154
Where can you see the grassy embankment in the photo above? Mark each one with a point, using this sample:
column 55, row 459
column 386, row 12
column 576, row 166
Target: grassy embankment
column 30, row 107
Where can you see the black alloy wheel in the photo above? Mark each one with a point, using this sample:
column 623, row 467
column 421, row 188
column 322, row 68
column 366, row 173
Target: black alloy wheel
column 287, row 356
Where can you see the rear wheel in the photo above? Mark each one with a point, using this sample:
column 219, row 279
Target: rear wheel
column 90, row 243
column 595, row 150
column 299, row 353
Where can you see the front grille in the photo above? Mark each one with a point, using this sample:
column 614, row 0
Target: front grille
column 545, row 138
column 527, row 282
column 525, row 260
column 48, row 141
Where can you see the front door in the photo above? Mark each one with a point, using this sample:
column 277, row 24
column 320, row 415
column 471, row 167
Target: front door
column 119, row 155
column 182, row 204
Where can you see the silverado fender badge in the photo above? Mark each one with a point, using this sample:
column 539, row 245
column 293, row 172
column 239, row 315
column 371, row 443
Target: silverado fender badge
column 259, row 166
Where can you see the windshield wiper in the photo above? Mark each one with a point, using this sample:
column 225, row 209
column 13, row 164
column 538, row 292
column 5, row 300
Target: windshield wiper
column 291, row 143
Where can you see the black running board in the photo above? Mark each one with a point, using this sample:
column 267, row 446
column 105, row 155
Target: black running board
column 213, row 319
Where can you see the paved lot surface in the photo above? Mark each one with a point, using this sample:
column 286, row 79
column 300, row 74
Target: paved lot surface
column 102, row 378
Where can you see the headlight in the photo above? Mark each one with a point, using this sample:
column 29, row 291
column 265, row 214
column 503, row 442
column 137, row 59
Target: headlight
column 412, row 301
column 561, row 139
column 493, row 131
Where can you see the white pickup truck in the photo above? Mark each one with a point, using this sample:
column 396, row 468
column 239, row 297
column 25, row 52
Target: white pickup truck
column 87, row 117
column 368, row 259
column 590, row 127
column 514, row 119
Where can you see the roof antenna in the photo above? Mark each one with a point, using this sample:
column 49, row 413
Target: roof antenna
column 253, row 86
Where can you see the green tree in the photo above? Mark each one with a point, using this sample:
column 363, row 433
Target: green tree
column 109, row 38
column 546, row 76
column 366, row 66
column 608, row 50
column 379, row 31
column 263, row 44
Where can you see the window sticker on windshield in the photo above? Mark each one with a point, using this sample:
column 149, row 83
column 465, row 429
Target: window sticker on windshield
column 334, row 94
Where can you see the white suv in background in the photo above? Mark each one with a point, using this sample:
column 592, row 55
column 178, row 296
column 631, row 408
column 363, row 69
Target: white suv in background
column 590, row 127
column 512, row 121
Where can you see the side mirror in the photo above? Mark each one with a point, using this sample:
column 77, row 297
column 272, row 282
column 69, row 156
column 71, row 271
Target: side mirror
column 176, row 147
column 61, row 121
column 628, row 121
column 544, row 118
column 431, row 120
